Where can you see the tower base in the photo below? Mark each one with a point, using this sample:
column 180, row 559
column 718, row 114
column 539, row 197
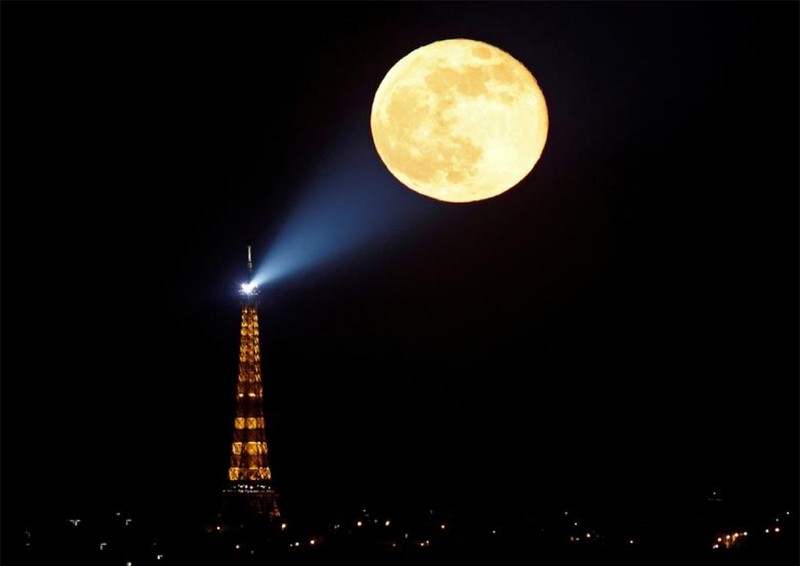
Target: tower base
column 246, row 505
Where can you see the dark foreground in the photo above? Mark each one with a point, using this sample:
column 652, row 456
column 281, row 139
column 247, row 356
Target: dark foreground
column 431, row 537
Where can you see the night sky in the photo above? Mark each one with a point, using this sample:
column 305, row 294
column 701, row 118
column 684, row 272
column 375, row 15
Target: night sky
column 619, row 331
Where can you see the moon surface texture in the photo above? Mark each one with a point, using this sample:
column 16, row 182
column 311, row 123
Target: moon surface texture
column 459, row 120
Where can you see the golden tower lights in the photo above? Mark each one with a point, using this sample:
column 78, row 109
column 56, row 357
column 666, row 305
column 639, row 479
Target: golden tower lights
column 249, row 494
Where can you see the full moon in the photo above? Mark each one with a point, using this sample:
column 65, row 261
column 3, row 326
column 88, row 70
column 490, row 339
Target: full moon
column 459, row 121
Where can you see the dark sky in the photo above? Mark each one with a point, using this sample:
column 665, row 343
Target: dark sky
column 618, row 330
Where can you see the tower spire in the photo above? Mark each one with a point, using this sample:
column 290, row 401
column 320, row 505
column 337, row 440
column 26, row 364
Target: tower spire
column 249, row 494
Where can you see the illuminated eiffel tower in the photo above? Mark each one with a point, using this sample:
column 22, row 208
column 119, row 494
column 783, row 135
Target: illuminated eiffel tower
column 248, row 496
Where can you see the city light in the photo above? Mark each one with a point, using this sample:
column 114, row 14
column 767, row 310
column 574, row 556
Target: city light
column 426, row 533
column 729, row 540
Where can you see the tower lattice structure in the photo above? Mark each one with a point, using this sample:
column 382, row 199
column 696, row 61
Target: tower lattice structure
column 249, row 494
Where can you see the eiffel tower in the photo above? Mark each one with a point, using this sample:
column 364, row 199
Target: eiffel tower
column 248, row 496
